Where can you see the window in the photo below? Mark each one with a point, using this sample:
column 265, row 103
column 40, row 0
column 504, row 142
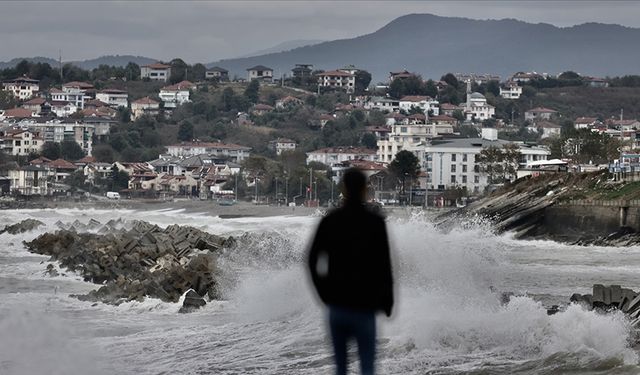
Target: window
column 453, row 179
column 403, row 129
column 464, row 179
column 476, row 179
column 464, row 168
column 476, row 168
column 464, row 157
column 453, row 168
column 453, row 157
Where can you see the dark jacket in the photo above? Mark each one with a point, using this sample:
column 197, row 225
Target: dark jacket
column 354, row 239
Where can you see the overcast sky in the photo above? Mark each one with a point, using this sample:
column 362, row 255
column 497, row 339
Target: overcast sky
column 206, row 31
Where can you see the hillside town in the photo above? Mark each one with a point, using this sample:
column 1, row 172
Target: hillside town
column 169, row 130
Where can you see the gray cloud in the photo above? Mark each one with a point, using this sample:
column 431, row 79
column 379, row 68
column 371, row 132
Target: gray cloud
column 207, row 31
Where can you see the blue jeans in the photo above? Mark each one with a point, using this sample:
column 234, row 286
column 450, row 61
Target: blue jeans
column 346, row 324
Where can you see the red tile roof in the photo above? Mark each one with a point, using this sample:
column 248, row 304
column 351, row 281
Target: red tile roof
column 210, row 145
column 18, row 112
column 414, row 98
column 184, row 85
column 344, row 150
column 61, row 164
column 157, row 66
column 145, row 100
column 542, row 110
column 36, row 101
column 80, row 85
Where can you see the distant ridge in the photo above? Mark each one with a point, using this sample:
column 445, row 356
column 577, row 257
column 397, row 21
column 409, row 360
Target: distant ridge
column 112, row 60
column 432, row 45
column 284, row 46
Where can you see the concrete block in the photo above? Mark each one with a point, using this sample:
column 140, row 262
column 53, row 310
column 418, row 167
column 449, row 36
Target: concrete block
column 634, row 305
column 598, row 293
column 616, row 295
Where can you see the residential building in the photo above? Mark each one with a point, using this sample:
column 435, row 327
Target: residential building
column 260, row 72
column 16, row 113
column 281, row 145
column 511, row 90
column 63, row 108
column 596, row 82
column 400, row 75
column 38, row 106
column 95, row 171
column 447, row 109
column 478, row 79
column 70, row 94
column 156, row 72
column 261, row 109
column 217, row 73
column 114, row 98
column 585, row 122
column 324, row 119
column 337, row 79
column 20, row 142
column 175, row 95
column 369, row 168
column 302, row 71
column 334, row 155
column 144, row 106
column 524, row 77
column 58, row 131
column 624, row 125
column 540, row 113
column 451, row 163
column 22, row 88
column 32, row 180
column 548, row 129
column 425, row 103
column 382, row 103
column 235, row 153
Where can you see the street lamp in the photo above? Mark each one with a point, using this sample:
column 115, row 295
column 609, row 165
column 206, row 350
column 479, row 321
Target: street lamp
column 256, row 183
column 277, row 202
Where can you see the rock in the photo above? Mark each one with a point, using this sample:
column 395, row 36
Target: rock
column 137, row 260
column 192, row 301
column 23, row 226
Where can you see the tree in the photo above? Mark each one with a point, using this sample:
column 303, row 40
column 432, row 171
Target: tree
column 405, row 165
column 363, row 78
column 185, row 132
column 51, row 150
column 132, row 71
column 71, row 150
column 451, row 80
column 500, row 164
column 252, row 92
column 103, row 153
column 369, row 140
column 119, row 179
column 458, row 115
column 7, row 100
column 178, row 70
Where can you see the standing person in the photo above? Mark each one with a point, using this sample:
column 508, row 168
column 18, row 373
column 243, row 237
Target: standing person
column 350, row 268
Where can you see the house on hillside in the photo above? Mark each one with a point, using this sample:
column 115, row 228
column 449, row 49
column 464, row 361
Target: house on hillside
column 540, row 113
column 175, row 95
column 281, row 145
column 39, row 106
column 233, row 152
column 585, row 122
column 20, row 142
column 156, row 72
column 511, row 90
column 260, row 72
column 22, row 88
column 302, row 71
column 217, row 73
column 400, row 75
column 114, row 98
column 477, row 108
column 337, row 79
column 334, row 155
column 549, row 129
column 63, row 108
column 144, row 106
column 260, row 109
column 425, row 103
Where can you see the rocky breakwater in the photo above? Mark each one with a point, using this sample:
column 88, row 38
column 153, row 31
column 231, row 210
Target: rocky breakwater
column 543, row 207
column 612, row 298
column 138, row 260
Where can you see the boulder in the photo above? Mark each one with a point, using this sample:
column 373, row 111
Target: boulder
column 22, row 227
column 192, row 301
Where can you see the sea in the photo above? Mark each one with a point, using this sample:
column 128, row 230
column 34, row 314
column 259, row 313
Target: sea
column 451, row 315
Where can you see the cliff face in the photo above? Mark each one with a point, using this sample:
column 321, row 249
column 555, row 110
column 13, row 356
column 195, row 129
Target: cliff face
column 581, row 209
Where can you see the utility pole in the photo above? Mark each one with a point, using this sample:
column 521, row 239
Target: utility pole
column 277, row 201
column 310, row 183
column 256, row 183
column 236, row 187
column 60, row 62
column 286, row 189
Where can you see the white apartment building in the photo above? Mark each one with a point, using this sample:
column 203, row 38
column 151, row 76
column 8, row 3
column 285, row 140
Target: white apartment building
column 425, row 103
column 32, row 180
column 451, row 163
column 56, row 131
column 411, row 138
column 175, row 95
column 235, row 153
column 22, row 88
column 114, row 98
column 511, row 90
column 156, row 72
column 144, row 106
column 382, row 104
column 337, row 79
column 71, row 95
column 281, row 145
column 335, row 155
column 20, row 142
column 63, row 108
